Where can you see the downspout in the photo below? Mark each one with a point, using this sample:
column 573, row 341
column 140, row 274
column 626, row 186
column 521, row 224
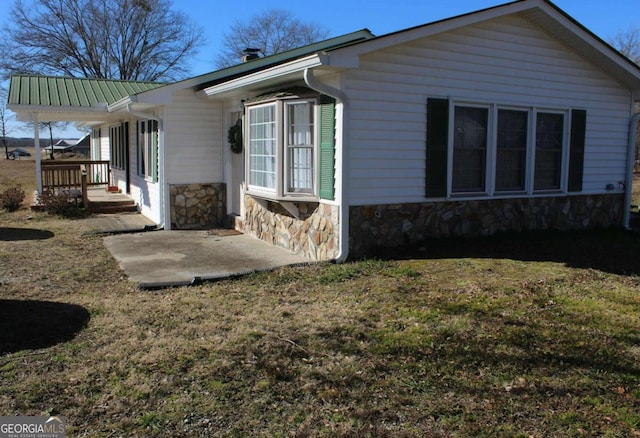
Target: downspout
column 161, row 169
column 628, row 186
column 341, row 153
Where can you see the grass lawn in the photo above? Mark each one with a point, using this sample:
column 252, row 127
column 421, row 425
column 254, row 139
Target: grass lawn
column 533, row 335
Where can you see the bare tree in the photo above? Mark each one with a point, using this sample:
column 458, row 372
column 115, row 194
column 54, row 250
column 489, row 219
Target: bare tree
column 270, row 32
column 4, row 118
column 109, row 39
column 628, row 43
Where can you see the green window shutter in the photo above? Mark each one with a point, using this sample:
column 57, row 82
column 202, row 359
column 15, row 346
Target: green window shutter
column 154, row 150
column 576, row 149
column 437, row 145
column 327, row 148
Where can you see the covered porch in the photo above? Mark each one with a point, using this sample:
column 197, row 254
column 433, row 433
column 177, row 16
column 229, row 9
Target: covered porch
column 87, row 182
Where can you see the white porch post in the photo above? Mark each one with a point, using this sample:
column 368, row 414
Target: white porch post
column 36, row 140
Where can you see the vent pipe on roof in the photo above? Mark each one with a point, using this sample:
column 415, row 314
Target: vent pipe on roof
column 250, row 53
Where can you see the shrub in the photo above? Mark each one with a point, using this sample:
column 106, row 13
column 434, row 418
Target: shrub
column 61, row 203
column 11, row 199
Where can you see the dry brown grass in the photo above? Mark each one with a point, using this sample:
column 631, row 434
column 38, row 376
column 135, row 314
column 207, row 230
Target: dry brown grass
column 513, row 336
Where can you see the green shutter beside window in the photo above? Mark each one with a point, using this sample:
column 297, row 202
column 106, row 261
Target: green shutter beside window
column 327, row 148
column 576, row 149
column 437, row 144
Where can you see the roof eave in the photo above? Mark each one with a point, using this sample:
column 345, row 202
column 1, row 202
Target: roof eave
column 278, row 72
column 25, row 113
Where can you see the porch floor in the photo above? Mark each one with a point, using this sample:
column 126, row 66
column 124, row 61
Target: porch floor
column 102, row 201
column 100, row 194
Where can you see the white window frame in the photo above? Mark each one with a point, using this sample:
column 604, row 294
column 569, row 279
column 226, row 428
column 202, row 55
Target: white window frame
column 254, row 188
column 147, row 142
column 564, row 153
column 281, row 190
column 491, row 154
column 96, row 140
column 288, row 148
column 117, row 146
column 488, row 161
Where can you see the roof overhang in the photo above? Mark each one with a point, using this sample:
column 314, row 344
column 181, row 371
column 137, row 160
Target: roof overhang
column 26, row 113
column 265, row 78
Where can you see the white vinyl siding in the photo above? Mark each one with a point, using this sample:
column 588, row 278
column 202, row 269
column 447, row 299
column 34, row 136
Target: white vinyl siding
column 194, row 140
column 508, row 62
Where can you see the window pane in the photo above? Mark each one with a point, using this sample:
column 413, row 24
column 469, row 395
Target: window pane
column 469, row 149
column 300, row 147
column 262, row 147
column 511, row 150
column 549, row 138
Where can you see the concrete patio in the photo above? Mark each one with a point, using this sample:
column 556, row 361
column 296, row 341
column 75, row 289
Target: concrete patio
column 155, row 259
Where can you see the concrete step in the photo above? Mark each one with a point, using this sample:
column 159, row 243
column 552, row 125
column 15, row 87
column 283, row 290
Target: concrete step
column 107, row 208
column 116, row 205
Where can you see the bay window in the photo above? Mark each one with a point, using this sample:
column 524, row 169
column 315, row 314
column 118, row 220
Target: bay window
column 281, row 156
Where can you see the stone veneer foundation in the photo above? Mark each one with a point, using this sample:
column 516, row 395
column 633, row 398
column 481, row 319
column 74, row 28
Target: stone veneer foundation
column 314, row 233
column 195, row 206
column 376, row 226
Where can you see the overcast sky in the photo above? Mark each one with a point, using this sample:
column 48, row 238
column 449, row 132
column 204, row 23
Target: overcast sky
column 604, row 18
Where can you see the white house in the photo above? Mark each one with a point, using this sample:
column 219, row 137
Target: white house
column 510, row 118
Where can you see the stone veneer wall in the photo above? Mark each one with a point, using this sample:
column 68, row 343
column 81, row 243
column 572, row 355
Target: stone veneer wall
column 196, row 206
column 314, row 233
column 376, row 226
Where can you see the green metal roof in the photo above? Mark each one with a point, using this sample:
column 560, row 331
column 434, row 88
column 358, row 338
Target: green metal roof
column 64, row 92
column 258, row 64
column 51, row 91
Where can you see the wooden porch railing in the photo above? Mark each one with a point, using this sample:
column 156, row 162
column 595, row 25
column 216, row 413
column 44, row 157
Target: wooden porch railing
column 98, row 172
column 75, row 176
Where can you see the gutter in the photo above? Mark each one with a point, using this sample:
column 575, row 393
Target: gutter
column 161, row 162
column 342, row 169
column 628, row 186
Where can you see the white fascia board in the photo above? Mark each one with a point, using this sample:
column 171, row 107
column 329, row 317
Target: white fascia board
column 298, row 65
column 25, row 113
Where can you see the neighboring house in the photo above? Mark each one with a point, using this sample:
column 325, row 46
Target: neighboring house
column 82, row 146
column 510, row 118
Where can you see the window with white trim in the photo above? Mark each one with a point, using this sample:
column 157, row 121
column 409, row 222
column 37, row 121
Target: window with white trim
column 511, row 150
column 147, row 150
column 281, row 148
column 118, row 138
column 470, row 129
column 262, row 141
column 299, row 146
column 96, row 152
column 500, row 150
column 548, row 151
